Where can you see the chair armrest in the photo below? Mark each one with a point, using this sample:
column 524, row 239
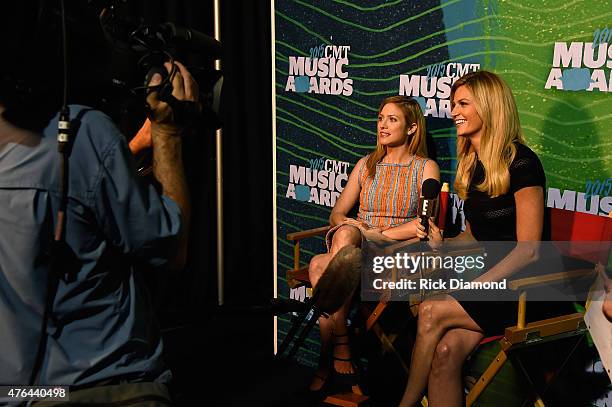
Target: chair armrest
column 449, row 248
column 391, row 249
column 299, row 275
column 530, row 282
column 308, row 233
column 523, row 284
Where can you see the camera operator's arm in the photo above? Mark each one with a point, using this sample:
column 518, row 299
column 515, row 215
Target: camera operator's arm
column 167, row 151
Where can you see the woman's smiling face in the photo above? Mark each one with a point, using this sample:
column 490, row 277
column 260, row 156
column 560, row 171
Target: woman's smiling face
column 465, row 116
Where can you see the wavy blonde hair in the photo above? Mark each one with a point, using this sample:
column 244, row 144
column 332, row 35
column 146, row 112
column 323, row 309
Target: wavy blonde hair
column 412, row 114
column 496, row 108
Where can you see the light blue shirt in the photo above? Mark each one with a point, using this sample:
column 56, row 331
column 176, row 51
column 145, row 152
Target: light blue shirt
column 103, row 326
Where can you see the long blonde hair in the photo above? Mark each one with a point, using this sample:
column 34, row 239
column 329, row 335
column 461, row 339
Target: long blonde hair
column 496, row 108
column 412, row 114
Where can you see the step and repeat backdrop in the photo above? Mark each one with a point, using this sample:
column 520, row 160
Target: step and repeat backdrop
column 335, row 60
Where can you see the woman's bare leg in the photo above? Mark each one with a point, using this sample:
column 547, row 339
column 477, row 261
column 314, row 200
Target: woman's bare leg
column 336, row 323
column 344, row 236
column 445, row 386
column 436, row 316
column 317, row 267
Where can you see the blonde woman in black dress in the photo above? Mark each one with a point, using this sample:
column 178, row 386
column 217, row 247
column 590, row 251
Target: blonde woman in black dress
column 502, row 183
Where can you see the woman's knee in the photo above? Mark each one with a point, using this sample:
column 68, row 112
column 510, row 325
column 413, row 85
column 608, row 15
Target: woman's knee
column 448, row 358
column 346, row 235
column 316, row 267
column 429, row 317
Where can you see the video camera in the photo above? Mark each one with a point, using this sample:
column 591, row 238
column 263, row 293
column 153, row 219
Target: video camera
column 139, row 50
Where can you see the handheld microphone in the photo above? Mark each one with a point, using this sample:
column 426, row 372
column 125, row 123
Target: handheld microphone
column 428, row 203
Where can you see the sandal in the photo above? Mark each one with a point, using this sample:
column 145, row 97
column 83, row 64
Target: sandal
column 317, row 396
column 349, row 379
column 323, row 373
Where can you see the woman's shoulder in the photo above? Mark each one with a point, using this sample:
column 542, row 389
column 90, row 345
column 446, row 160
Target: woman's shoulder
column 361, row 164
column 523, row 150
column 363, row 160
column 422, row 162
column 526, row 169
column 525, row 157
column 427, row 162
column 431, row 169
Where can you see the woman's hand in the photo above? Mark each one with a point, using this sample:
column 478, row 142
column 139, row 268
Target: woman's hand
column 354, row 222
column 406, row 231
column 376, row 235
column 434, row 235
column 419, row 230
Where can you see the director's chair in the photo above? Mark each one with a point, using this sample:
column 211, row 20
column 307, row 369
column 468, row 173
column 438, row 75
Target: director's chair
column 298, row 276
column 569, row 230
column 567, row 227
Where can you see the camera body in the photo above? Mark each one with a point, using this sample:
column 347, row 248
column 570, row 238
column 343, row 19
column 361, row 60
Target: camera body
column 148, row 47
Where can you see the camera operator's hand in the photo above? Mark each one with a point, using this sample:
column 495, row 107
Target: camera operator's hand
column 184, row 88
column 167, row 148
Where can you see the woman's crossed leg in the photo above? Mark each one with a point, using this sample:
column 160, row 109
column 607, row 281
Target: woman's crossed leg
column 446, row 335
column 336, row 323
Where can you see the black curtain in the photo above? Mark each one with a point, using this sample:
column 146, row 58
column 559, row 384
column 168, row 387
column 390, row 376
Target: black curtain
column 230, row 346
column 247, row 135
column 247, row 167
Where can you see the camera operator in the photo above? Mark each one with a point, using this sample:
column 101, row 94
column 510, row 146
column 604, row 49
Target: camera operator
column 100, row 338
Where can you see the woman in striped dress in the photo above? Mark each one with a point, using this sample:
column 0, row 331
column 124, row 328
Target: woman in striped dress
column 387, row 184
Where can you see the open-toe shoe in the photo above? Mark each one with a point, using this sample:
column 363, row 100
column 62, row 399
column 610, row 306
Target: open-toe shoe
column 348, row 379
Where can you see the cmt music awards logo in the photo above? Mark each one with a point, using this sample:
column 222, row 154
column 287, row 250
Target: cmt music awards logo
column 324, row 72
column 432, row 91
column 588, row 61
column 320, row 183
column 580, row 202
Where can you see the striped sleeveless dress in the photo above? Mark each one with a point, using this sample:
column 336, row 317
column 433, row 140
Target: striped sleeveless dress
column 391, row 197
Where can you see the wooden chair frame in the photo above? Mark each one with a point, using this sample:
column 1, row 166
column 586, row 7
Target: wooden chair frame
column 523, row 334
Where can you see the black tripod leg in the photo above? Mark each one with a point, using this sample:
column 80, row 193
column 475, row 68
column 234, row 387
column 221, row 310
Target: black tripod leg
column 316, row 313
column 297, row 323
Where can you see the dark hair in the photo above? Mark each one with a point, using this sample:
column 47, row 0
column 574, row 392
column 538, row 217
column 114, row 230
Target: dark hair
column 30, row 75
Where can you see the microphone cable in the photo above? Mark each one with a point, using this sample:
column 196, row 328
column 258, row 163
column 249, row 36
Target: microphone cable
column 58, row 246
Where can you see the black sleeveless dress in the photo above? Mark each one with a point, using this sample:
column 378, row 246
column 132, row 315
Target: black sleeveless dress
column 494, row 219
